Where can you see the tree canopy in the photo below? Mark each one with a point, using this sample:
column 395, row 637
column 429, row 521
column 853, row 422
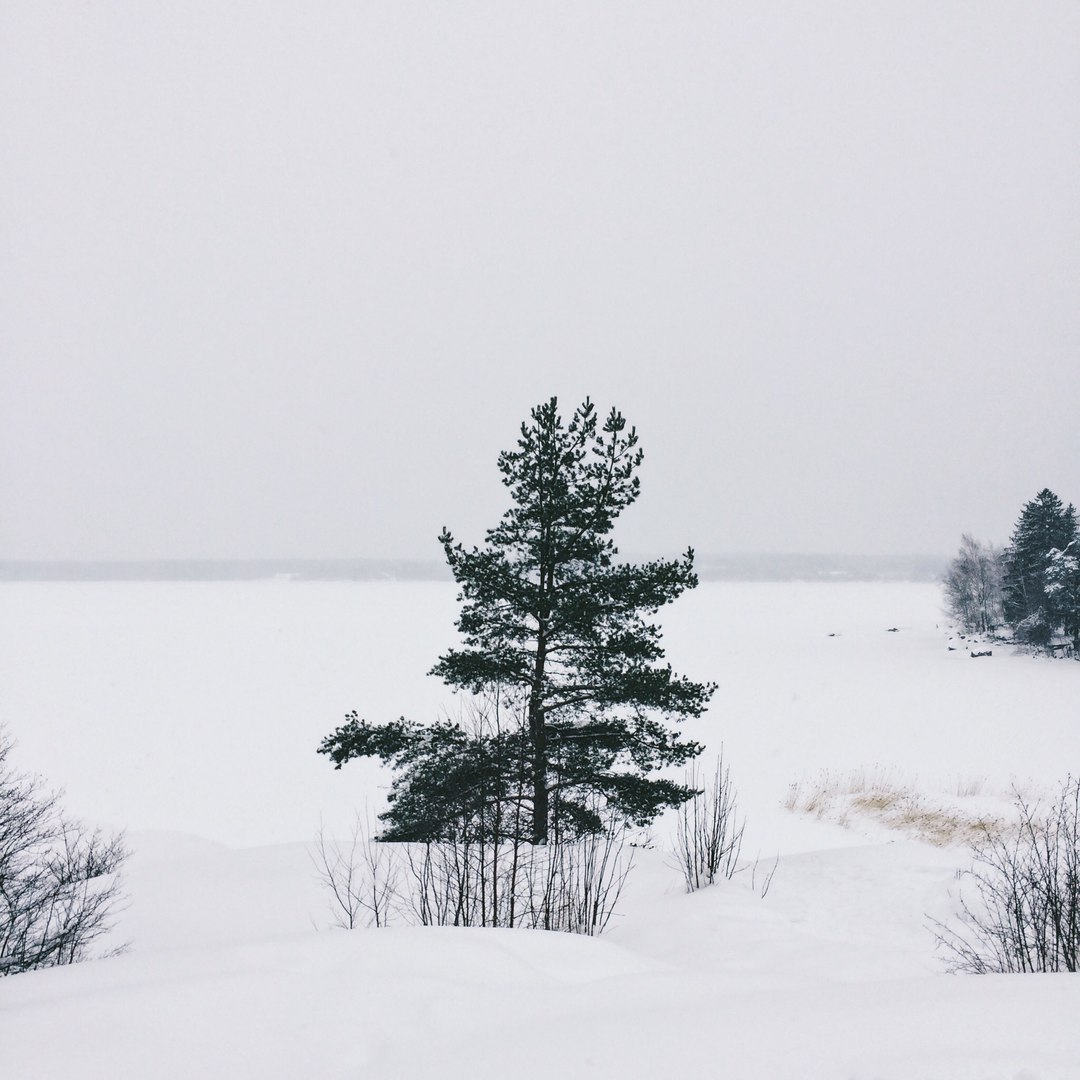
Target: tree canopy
column 1038, row 588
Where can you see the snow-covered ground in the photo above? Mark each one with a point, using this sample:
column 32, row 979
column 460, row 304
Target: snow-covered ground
column 189, row 715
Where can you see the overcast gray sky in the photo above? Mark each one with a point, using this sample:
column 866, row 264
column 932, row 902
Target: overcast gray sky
column 282, row 279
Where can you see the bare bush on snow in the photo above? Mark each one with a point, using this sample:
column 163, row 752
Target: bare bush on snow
column 708, row 830
column 1022, row 912
column 59, row 882
column 571, row 885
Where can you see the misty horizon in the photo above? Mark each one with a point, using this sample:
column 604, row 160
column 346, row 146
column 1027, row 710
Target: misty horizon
column 743, row 566
column 287, row 279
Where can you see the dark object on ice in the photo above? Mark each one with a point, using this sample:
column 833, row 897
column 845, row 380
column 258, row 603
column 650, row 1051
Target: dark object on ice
column 893, row 630
column 983, row 652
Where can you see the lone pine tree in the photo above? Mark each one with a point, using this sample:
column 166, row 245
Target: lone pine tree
column 550, row 620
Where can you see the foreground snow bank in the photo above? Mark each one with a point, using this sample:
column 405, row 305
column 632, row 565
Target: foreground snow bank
column 235, row 974
column 493, row 1003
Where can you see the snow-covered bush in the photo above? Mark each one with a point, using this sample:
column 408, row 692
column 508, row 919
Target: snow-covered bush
column 1034, row 629
column 570, row 885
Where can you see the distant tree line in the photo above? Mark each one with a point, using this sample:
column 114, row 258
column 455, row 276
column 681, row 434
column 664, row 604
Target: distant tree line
column 1032, row 586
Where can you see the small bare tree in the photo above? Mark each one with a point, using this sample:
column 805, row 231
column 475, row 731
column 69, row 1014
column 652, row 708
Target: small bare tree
column 972, row 585
column 708, row 830
column 59, row 882
column 361, row 876
column 1025, row 913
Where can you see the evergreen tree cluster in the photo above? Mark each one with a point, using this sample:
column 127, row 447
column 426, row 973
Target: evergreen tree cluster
column 1032, row 586
column 1041, row 583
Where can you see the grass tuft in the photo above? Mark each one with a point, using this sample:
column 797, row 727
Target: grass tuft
column 884, row 797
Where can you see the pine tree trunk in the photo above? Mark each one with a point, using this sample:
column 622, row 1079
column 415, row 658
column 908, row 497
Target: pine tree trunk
column 538, row 738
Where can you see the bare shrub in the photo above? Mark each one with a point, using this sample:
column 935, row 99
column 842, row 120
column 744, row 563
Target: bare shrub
column 361, row 876
column 573, row 885
column 456, row 883
column 59, row 882
column 971, row 787
column 766, row 877
column 708, row 831
column 1025, row 912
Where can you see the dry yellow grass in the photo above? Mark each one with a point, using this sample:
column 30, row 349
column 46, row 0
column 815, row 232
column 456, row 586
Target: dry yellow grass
column 880, row 795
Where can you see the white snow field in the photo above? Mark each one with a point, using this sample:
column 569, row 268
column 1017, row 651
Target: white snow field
column 189, row 714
